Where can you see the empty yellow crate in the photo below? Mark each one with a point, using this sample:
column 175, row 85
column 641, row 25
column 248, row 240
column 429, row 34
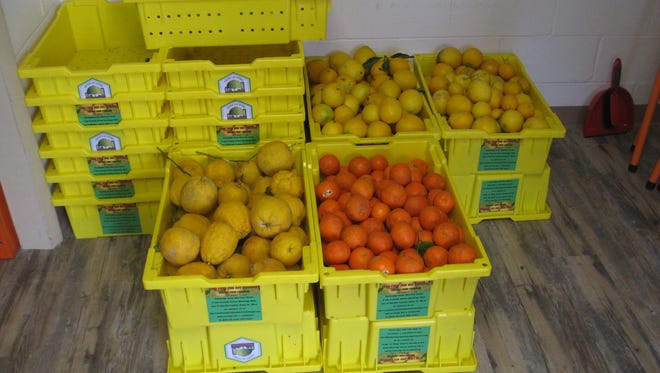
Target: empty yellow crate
column 209, row 132
column 91, row 217
column 267, row 108
column 248, row 346
column 515, row 196
column 235, row 70
column 123, row 106
column 108, row 162
column 470, row 151
column 365, row 293
column 440, row 343
column 68, row 135
column 430, row 123
column 177, row 23
column 193, row 301
column 92, row 49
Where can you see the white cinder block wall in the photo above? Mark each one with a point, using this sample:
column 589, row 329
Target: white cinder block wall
column 567, row 46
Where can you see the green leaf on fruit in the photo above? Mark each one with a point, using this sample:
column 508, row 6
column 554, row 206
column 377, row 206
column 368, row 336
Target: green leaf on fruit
column 422, row 246
column 401, row 55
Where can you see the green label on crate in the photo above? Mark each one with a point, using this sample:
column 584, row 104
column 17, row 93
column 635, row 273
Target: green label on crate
column 121, row 218
column 95, row 114
column 111, row 165
column 499, row 155
column 239, row 134
column 403, row 300
column 93, row 88
column 237, row 303
column 113, row 189
column 498, row 195
column 236, row 110
column 403, row 345
column 234, row 83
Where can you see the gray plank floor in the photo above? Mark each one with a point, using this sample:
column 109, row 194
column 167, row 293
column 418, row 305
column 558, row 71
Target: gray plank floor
column 576, row 293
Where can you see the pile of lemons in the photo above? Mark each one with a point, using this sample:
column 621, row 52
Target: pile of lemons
column 364, row 94
column 235, row 219
column 474, row 91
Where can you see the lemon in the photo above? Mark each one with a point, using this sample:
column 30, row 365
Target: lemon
column 345, row 82
column 399, row 64
column 332, row 95
column 342, row 113
column 512, row 87
column 438, row 82
column 490, row 65
column 461, row 120
column 256, row 248
column 508, row 102
column 328, row 75
column 495, row 98
column 480, row 109
column 175, row 188
column 296, row 205
column 390, row 88
column 337, row 58
column 274, row 156
column 361, row 90
column 450, row 56
column 197, row 268
column 478, row 90
column 406, row 79
column 456, row 88
column 506, row 70
column 472, row 57
column 322, row 113
column 218, row 243
column 236, row 214
column 332, row 128
column 390, row 110
column 352, row 69
column 314, row 69
column 179, row 245
column 377, row 68
column 270, row 216
column 496, row 113
column 186, row 167
column 352, row 102
column 194, row 222
column 363, row 53
column 356, row 126
column 411, row 100
column 287, row 181
column 526, row 109
column 378, row 80
column 458, row 103
column 523, row 98
column 440, row 99
column 511, row 121
column 535, row 123
column 487, row 124
column 199, row 195
column 441, row 69
column 287, row 248
column 267, row 265
column 379, row 128
column 370, row 113
column 236, row 266
column 410, row 122
column 220, row 171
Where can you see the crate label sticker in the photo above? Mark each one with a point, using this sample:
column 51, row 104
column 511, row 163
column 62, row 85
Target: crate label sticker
column 403, row 345
column 499, row 155
column 243, row 350
column 403, row 300
column 234, row 83
column 113, row 189
column 93, row 88
column 104, row 141
column 123, row 218
column 95, row 114
column 236, row 303
column 236, row 110
column 110, row 165
column 498, row 195
column 240, row 134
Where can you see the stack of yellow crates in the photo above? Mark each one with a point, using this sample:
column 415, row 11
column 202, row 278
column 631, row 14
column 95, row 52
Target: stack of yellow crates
column 500, row 175
column 101, row 117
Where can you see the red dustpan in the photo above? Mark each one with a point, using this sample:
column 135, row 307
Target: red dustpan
column 611, row 111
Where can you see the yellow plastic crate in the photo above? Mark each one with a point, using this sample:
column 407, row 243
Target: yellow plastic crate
column 472, row 151
column 235, row 70
column 127, row 133
column 92, row 44
column 440, row 343
column 287, row 107
column 190, row 301
column 108, row 162
column 248, row 346
column 91, row 217
column 430, row 123
column 205, row 131
column 177, row 23
column 123, row 106
column 515, row 196
column 103, row 187
column 357, row 293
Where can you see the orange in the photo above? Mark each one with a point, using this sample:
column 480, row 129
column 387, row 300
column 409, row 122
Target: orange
column 419, row 164
column 400, row 173
column 430, row 216
column 354, row 235
column 357, row 208
column 379, row 241
column 329, row 164
column 328, row 206
column 335, row 252
column 345, row 179
column 363, row 186
column 446, row 234
column 415, row 188
column 409, row 264
column 435, row 256
column 380, row 210
column 359, row 165
column 397, row 215
column 360, row 257
column 330, row 227
column 461, row 253
column 382, row 264
column 433, row 180
column 403, row 235
column 445, row 200
column 372, row 224
column 394, row 195
column 415, row 204
column 326, row 189
column 378, row 162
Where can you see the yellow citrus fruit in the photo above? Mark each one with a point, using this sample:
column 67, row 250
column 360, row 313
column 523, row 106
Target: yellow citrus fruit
column 481, row 75
column 175, row 189
column 390, row 88
column 374, row 98
column 370, row 113
column 236, row 214
column 472, row 57
column 219, row 242
column 480, row 109
column 496, row 113
column 461, row 120
column 314, row 68
column 274, row 156
column 487, row 124
column 456, row 88
column 179, row 245
column 256, row 248
column 458, row 103
column 247, row 172
column 535, row 123
column 236, row 266
column 345, row 82
column 220, row 171
column 478, row 90
column 297, row 207
column 377, row 80
column 363, row 54
column 411, row 100
column 511, row 121
column 186, row 167
column 526, row 109
column 322, row 113
column 524, row 83
column 197, row 268
column 260, row 186
column 512, row 87
column 332, row 128
column 523, row 97
column 508, row 102
column 506, row 70
column 495, row 98
column 199, row 195
column 379, row 128
column 406, row 79
column 377, row 68
column 490, row 65
column 287, row 248
column 441, row 69
column 399, row 64
column 437, row 82
column 450, row 56
column 287, row 181
column 410, row 122
column 361, row 90
column 337, row 58
column 333, row 95
column 440, row 99
column 301, row 233
column 267, row 265
column 390, row 110
column 352, row 102
column 328, row 75
column 194, row 222
column 342, row 113
column 270, row 216
column 464, row 70
column 356, row 126
column 234, row 191
column 352, row 69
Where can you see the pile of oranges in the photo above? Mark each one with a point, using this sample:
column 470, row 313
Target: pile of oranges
column 393, row 218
